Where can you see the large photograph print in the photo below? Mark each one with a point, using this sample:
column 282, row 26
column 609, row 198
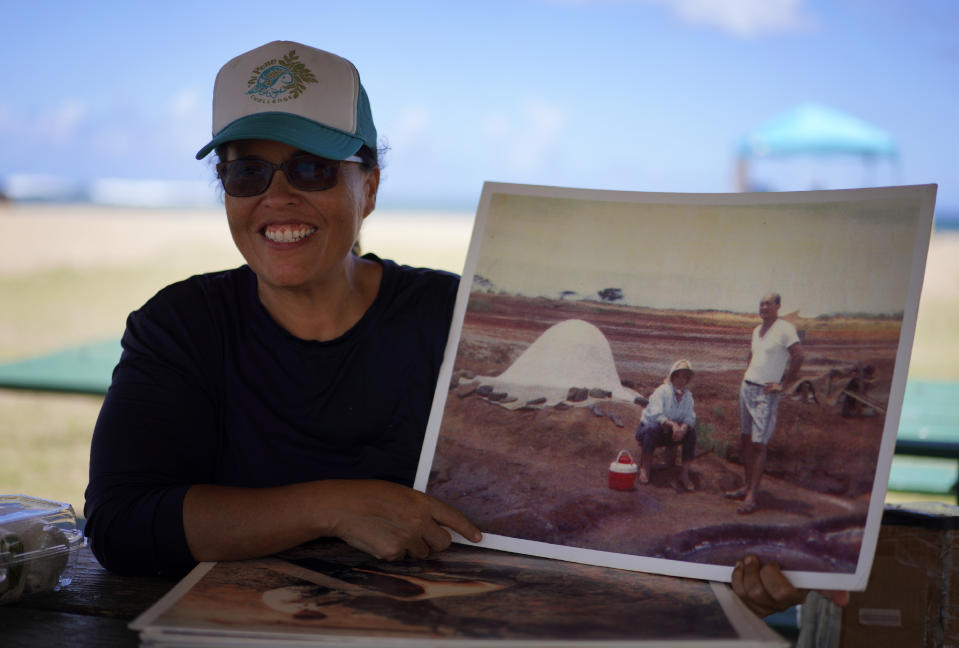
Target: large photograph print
column 329, row 594
column 667, row 382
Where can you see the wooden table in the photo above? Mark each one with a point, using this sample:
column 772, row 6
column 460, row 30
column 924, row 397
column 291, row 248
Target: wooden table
column 93, row 610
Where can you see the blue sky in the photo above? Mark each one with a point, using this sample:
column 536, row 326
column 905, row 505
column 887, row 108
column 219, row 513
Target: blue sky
column 649, row 95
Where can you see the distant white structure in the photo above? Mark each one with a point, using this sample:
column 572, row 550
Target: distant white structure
column 119, row 192
column 153, row 193
column 39, row 187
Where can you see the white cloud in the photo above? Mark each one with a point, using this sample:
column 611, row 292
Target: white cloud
column 118, row 142
column 741, row 18
column 59, row 125
column 6, row 119
column 542, row 125
column 62, row 124
column 184, row 103
column 527, row 136
column 410, row 126
column 496, row 126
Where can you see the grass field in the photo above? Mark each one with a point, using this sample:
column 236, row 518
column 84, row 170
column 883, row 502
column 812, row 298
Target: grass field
column 71, row 274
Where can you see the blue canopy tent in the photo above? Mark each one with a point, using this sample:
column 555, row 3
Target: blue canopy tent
column 813, row 129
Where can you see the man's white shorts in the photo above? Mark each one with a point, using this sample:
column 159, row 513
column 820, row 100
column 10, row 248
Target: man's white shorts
column 757, row 412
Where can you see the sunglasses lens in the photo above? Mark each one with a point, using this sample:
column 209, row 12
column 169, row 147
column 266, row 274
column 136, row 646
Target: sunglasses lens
column 243, row 178
column 311, row 173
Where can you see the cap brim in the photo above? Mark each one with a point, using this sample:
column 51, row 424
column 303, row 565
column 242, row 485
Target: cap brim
column 304, row 134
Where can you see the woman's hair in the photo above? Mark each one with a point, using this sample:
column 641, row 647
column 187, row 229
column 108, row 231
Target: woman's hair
column 371, row 158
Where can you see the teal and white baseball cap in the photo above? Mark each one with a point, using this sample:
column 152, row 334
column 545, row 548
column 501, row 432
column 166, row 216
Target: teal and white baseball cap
column 295, row 94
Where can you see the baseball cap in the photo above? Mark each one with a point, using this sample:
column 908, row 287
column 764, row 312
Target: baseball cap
column 295, row 94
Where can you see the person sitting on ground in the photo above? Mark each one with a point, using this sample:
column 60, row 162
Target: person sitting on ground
column 669, row 420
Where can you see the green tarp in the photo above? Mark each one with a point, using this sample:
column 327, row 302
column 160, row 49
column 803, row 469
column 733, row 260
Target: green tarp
column 929, row 411
column 83, row 369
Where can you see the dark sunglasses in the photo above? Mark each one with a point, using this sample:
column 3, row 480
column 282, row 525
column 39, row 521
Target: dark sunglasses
column 250, row 176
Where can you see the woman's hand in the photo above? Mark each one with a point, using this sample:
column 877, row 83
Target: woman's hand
column 381, row 518
column 765, row 589
column 679, row 430
column 389, row 521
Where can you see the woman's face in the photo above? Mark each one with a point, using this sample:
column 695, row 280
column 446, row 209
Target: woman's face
column 293, row 238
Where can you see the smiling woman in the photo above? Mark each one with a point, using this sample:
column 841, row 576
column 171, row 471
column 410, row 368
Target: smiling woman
column 259, row 408
column 262, row 407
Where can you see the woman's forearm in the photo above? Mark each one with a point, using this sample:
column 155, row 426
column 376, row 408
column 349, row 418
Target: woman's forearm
column 231, row 523
column 384, row 519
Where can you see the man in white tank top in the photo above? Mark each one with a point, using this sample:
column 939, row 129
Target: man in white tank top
column 775, row 357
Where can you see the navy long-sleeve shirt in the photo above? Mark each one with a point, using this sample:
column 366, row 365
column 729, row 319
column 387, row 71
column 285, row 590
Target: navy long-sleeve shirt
column 211, row 390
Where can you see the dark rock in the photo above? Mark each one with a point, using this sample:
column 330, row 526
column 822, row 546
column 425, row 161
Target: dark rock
column 562, row 405
column 577, row 394
column 497, row 396
column 596, row 392
column 641, row 400
column 484, row 390
column 595, row 410
column 467, row 389
column 615, row 419
column 537, row 401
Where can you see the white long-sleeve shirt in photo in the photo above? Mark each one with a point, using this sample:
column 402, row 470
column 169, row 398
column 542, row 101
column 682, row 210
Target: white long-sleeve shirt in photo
column 664, row 405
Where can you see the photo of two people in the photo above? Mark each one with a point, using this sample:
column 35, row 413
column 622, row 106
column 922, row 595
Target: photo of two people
column 740, row 358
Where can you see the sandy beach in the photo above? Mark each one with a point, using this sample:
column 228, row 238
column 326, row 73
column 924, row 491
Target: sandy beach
column 134, row 251
column 39, row 237
column 70, row 274
column 42, row 237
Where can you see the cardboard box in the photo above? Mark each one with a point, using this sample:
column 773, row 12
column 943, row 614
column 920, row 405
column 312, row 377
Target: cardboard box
column 912, row 598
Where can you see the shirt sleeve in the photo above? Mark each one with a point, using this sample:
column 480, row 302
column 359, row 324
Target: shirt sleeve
column 789, row 335
column 656, row 408
column 689, row 411
column 155, row 436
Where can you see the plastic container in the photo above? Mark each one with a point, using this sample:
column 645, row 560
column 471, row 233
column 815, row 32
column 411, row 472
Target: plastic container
column 39, row 541
column 622, row 472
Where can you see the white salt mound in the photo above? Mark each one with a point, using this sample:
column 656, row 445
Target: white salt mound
column 572, row 353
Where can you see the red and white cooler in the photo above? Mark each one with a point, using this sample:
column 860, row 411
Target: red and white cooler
column 622, row 472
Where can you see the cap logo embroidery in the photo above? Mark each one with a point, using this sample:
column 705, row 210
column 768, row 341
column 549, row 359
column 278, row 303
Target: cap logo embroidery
column 276, row 81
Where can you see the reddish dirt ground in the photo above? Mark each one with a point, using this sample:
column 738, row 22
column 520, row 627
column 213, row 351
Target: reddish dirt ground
column 542, row 474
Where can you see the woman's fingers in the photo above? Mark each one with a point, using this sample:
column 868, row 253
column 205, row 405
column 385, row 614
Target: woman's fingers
column 764, row 588
column 417, row 548
column 780, row 590
column 391, row 521
column 437, row 538
column 449, row 517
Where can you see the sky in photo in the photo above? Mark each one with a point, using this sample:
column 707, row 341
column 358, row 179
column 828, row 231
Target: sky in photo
column 649, row 95
column 850, row 252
